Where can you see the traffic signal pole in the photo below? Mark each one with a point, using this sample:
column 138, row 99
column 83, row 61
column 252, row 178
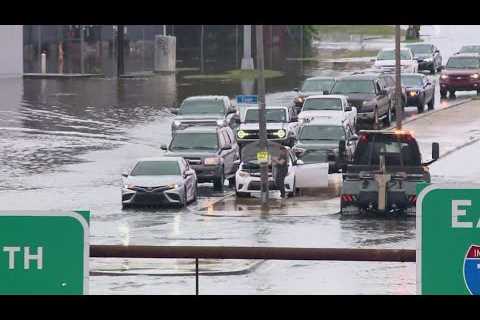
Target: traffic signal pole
column 261, row 113
column 398, row 81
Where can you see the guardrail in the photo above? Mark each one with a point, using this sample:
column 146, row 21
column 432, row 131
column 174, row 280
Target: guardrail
column 251, row 253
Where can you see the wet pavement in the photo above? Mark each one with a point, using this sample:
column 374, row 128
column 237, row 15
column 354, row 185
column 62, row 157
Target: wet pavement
column 66, row 142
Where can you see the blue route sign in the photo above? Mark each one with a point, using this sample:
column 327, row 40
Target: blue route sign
column 247, row 99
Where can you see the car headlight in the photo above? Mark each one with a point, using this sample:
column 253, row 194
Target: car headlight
column 242, row 134
column 130, row 186
column 177, row 123
column 444, row 76
column 413, row 93
column 475, row 76
column 211, row 161
column 173, row 186
column 281, row 133
column 243, row 174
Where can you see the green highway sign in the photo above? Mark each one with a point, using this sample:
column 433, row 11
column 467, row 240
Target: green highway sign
column 44, row 253
column 448, row 239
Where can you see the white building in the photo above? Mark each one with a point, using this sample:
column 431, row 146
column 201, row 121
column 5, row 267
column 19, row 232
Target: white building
column 11, row 54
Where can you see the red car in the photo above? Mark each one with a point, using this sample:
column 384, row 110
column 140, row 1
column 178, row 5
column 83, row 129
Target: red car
column 462, row 73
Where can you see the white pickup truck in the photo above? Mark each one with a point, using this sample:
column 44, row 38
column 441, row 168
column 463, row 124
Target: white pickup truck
column 318, row 107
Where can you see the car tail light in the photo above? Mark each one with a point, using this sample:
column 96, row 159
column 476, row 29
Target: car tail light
column 444, row 77
column 348, row 198
column 412, row 199
column 475, row 76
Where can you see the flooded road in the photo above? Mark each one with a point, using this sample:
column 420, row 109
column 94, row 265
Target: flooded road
column 64, row 144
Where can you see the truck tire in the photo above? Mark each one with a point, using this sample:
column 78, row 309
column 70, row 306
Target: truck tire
column 348, row 209
column 443, row 93
column 218, row 182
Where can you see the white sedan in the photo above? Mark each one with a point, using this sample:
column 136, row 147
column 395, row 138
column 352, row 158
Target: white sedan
column 300, row 175
column 329, row 108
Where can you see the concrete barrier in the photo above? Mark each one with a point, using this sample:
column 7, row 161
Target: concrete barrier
column 165, row 53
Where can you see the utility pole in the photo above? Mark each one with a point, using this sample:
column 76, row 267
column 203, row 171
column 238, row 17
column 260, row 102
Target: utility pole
column 82, row 62
column 261, row 114
column 202, row 35
column 164, row 29
column 247, row 60
column 398, row 80
column 120, row 45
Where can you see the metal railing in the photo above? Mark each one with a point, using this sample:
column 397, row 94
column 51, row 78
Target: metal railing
column 251, row 253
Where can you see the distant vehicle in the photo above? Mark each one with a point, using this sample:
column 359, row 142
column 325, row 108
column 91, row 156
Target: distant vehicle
column 386, row 167
column 281, row 125
column 420, row 91
column 368, row 94
column 326, row 142
column 205, row 110
column 210, row 151
column 328, row 107
column 427, row 55
column 475, row 49
column 300, row 175
column 462, row 73
column 159, row 181
column 386, row 60
column 313, row 86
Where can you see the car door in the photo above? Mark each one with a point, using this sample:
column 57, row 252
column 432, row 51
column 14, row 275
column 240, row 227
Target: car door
column 383, row 100
column 227, row 155
column 312, row 175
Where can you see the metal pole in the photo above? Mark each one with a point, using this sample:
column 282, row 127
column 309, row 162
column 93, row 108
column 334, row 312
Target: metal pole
column 398, row 88
column 301, row 41
column 236, row 46
column 196, row 276
column 247, row 61
column 40, row 46
column 202, row 34
column 164, row 29
column 82, row 63
column 120, row 38
column 261, row 113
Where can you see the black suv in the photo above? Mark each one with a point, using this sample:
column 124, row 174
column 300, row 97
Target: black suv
column 368, row 93
column 210, row 151
column 427, row 55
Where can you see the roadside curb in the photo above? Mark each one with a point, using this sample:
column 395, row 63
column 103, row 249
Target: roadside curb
column 423, row 115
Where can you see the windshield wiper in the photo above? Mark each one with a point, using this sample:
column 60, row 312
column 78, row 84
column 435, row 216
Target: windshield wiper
column 204, row 148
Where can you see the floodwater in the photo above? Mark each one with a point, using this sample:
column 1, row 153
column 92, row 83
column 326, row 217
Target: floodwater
column 64, row 144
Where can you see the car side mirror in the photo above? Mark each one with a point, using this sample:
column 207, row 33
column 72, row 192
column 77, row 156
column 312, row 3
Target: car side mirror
column 326, row 92
column 163, row 147
column 436, row 51
column 348, row 108
column 174, row 111
column 299, row 152
column 296, row 89
column 299, row 162
column 124, row 174
column 435, row 151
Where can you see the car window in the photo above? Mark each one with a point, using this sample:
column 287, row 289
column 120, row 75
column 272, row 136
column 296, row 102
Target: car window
column 470, row 49
column 397, row 150
column 390, row 55
column 271, row 115
column 353, row 86
column 317, row 85
column 203, row 106
column 322, row 132
column 322, row 104
column 156, row 168
column 207, row 141
column 421, row 48
column 463, row 63
column 411, row 81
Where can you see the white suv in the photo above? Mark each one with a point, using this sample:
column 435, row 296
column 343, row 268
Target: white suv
column 386, row 60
